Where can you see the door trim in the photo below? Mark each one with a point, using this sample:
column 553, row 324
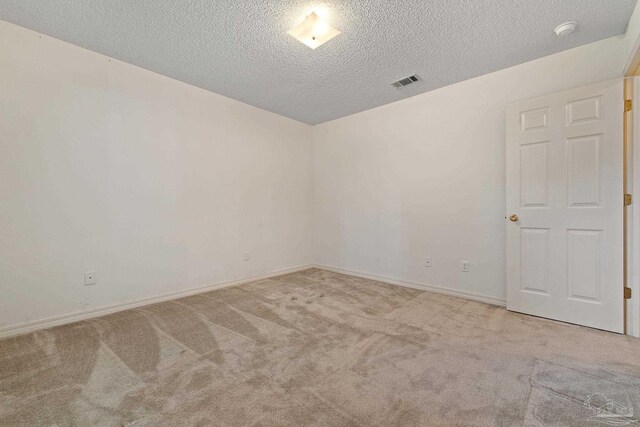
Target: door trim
column 632, row 212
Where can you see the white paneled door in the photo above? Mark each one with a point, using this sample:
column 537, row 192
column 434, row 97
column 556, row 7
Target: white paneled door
column 565, row 206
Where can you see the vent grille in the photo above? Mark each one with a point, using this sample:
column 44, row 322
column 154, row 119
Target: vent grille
column 404, row 82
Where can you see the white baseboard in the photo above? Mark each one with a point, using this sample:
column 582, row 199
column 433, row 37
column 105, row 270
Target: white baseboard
column 50, row 322
column 64, row 319
column 431, row 288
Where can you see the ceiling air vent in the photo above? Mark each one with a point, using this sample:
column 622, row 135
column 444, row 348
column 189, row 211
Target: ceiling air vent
column 404, row 82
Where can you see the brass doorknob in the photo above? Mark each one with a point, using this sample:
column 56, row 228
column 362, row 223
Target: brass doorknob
column 513, row 218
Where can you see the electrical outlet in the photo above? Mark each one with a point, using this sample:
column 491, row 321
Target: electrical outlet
column 428, row 262
column 465, row 266
column 90, row 278
column 246, row 256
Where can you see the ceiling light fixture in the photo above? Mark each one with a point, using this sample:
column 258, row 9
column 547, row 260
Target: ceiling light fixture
column 566, row 28
column 313, row 31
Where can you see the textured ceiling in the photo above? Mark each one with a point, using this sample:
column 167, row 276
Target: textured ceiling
column 240, row 48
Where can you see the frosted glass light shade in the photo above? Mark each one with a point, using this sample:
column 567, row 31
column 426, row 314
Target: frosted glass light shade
column 313, row 31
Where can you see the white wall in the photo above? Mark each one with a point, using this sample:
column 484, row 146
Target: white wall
column 161, row 187
column 156, row 185
column 425, row 176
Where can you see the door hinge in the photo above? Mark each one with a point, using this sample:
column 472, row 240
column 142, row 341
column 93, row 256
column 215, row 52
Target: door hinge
column 628, row 105
column 627, row 293
column 628, row 199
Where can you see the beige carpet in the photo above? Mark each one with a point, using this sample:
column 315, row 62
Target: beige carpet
column 319, row 348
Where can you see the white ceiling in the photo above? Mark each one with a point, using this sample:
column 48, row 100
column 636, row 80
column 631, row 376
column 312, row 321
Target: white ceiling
column 240, row 48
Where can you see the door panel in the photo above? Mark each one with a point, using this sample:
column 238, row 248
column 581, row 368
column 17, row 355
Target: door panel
column 584, row 262
column 564, row 183
column 583, row 164
column 534, row 249
column 533, row 174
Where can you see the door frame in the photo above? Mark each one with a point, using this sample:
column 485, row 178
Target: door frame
column 631, row 164
column 632, row 212
column 632, row 186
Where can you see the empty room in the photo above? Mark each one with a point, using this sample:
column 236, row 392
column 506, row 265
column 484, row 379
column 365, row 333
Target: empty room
column 334, row 213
